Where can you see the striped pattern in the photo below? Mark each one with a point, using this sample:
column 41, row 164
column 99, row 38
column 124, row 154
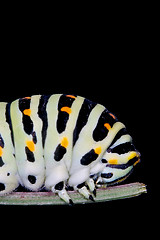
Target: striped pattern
column 60, row 141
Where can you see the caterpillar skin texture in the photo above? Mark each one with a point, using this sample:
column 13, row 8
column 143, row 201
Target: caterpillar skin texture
column 61, row 142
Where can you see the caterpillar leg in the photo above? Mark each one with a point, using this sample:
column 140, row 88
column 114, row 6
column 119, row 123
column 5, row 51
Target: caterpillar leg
column 91, row 185
column 59, row 188
column 82, row 189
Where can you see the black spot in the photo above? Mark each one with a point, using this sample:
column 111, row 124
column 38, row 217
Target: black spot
column 2, row 187
column 83, row 116
column 100, row 132
column 104, row 160
column 79, row 186
column 42, row 113
column 8, row 174
column 34, row 137
column 1, row 162
column 64, row 101
column 30, row 155
column 69, row 188
column 59, row 152
column 1, row 142
column 89, row 157
column 59, row 186
column 32, row 179
column 106, row 175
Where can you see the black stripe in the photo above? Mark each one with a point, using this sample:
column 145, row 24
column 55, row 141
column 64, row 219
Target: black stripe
column 107, row 175
column 83, row 116
column 8, row 120
column 1, row 142
column 64, row 101
column 1, row 162
column 100, row 132
column 27, row 124
column 123, row 148
column 62, row 121
column 123, row 166
column 118, row 179
column 24, row 103
column 42, row 113
column 121, row 132
column 34, row 137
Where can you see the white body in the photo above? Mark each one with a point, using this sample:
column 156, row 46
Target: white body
column 44, row 155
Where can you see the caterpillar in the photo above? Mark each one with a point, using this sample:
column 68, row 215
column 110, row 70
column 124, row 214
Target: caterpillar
column 61, row 142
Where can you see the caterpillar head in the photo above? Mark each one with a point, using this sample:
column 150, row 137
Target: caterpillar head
column 118, row 167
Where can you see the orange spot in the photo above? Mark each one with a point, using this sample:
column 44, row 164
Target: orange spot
column 64, row 142
column 27, row 112
column 30, row 145
column 98, row 150
column 112, row 115
column 107, row 125
column 27, row 98
column 71, row 96
column 1, row 152
column 66, row 109
column 113, row 161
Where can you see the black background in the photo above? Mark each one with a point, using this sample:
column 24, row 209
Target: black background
column 110, row 64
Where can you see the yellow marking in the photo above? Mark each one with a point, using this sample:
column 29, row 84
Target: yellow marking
column 136, row 162
column 113, row 161
column 27, row 112
column 98, row 150
column 122, row 179
column 66, row 109
column 1, row 152
column 71, row 96
column 30, row 145
column 132, row 155
column 107, row 125
column 64, row 142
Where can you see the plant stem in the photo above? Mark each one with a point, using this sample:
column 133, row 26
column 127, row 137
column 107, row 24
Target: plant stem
column 49, row 198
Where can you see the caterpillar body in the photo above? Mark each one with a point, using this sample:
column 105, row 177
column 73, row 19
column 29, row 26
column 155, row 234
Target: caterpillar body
column 61, row 141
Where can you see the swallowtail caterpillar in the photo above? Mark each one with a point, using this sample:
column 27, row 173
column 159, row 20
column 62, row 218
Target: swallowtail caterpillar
column 61, row 142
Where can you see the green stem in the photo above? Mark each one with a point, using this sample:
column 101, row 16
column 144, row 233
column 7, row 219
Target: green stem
column 49, row 198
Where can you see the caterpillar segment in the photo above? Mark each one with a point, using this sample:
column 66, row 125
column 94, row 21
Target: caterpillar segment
column 61, row 142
